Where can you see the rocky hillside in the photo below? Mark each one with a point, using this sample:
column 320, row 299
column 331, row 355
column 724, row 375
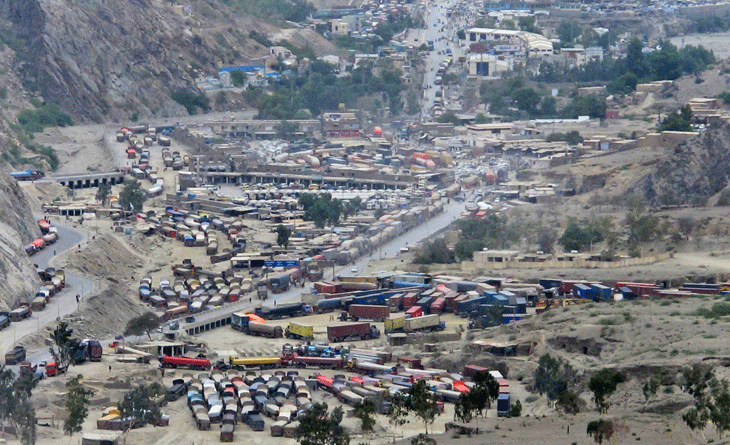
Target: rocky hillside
column 19, row 279
column 104, row 60
column 695, row 171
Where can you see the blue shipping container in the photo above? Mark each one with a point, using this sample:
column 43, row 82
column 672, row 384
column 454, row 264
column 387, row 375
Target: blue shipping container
column 549, row 283
column 628, row 293
column 582, row 291
column 601, row 292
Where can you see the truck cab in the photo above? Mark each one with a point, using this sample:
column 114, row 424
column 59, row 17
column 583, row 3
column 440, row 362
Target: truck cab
column 52, row 369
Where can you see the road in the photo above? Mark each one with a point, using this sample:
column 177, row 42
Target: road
column 61, row 304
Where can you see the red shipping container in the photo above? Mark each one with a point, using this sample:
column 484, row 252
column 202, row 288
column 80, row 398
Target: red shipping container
column 470, row 370
column 414, row 311
column 396, row 302
column 503, row 386
column 409, row 301
column 437, row 306
column 566, row 286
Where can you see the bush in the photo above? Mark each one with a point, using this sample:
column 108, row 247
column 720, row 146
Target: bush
column 191, row 101
column 35, row 121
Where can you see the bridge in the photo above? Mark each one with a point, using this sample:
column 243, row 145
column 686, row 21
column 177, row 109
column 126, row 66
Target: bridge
column 86, row 180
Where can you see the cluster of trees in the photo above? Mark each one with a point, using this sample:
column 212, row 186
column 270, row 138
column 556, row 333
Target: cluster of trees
column 140, row 404
column 623, row 74
column 143, row 324
column 321, row 90
column 15, row 406
column 559, row 382
column 678, row 121
column 191, row 101
column 322, row 209
column 64, row 345
column 711, row 399
column 436, row 252
column 580, row 235
column 571, row 33
column 492, row 232
column 131, row 198
column 571, row 137
column 504, row 97
column 49, row 115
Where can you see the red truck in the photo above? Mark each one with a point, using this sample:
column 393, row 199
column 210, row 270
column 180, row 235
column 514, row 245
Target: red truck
column 167, row 361
column 354, row 331
column 414, row 311
column 369, row 312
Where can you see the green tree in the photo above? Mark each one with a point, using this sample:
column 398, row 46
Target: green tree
column 603, row 384
column 282, row 235
column 422, row 402
column 578, row 238
column 321, row 209
column 365, row 411
column 143, row 324
column 238, row 78
column 643, row 227
column 600, row 430
column 65, row 345
column 103, row 192
column 436, row 252
column 516, row 409
column 592, row 105
column 77, row 401
column 546, row 238
column 527, row 100
column 461, row 34
column 131, row 199
column 650, row 388
column 139, row 404
column 679, row 121
column 15, row 406
column 398, row 411
column 480, row 119
column 568, row 32
column 569, row 402
column 635, row 61
column 449, row 118
column 319, row 427
column 480, row 398
column 287, row 130
column 528, row 24
column 548, row 379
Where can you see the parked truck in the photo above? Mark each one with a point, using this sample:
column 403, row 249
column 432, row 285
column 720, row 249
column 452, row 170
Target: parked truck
column 296, row 330
column 254, row 362
column 4, row 320
column 395, row 323
column 279, row 283
column 15, row 356
column 352, row 331
column 20, row 313
column 262, row 291
column 38, row 303
column 262, row 329
column 167, row 361
column 425, row 323
column 358, row 311
column 289, row 310
column 52, row 369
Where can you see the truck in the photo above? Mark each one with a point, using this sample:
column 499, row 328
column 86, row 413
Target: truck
column 263, row 329
column 4, row 320
column 262, row 291
column 289, row 310
column 395, row 323
column 15, row 356
column 280, row 283
column 167, row 361
column 52, row 369
column 94, row 351
column 296, row 330
column 503, row 405
column 20, row 313
column 38, row 303
column 425, row 323
column 358, row 311
column 354, row 331
column 320, row 362
column 254, row 362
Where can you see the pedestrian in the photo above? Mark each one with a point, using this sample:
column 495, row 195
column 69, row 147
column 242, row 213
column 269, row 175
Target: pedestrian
column 274, row 302
column 110, row 368
column 78, row 298
column 250, row 299
column 163, row 371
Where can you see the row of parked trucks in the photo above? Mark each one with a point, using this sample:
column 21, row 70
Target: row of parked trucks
column 49, row 235
column 53, row 282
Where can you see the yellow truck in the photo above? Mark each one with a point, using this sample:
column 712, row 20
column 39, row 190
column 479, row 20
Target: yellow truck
column 296, row 330
column 395, row 323
column 254, row 362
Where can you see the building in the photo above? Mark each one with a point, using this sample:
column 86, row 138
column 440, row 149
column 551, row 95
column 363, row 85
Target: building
column 488, row 66
column 535, row 44
column 340, row 125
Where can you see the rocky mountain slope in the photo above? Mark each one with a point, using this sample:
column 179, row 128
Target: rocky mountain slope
column 18, row 278
column 106, row 60
column 695, row 171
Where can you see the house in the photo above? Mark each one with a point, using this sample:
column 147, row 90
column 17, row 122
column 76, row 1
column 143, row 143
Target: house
column 340, row 125
column 488, row 65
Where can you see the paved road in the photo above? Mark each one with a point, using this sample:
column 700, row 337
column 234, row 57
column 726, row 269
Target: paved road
column 61, row 304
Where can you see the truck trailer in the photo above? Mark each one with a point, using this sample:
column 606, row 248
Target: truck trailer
column 425, row 323
column 296, row 330
column 358, row 311
column 352, row 331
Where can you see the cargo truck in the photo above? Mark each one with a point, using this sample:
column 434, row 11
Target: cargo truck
column 15, row 356
column 20, row 313
column 290, row 310
column 263, row 329
column 38, row 303
column 167, row 361
column 279, row 283
column 353, row 331
column 358, row 311
column 395, row 324
column 4, row 320
column 296, row 330
column 425, row 323
column 254, row 362
column 503, row 405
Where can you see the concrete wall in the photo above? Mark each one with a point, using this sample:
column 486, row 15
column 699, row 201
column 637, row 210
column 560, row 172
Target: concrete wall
column 666, row 139
column 472, row 266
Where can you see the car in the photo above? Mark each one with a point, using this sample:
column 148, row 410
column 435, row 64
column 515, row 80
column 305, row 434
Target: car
column 354, row 269
column 404, row 249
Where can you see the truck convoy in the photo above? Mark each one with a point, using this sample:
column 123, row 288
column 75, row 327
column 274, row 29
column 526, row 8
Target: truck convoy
column 352, row 331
